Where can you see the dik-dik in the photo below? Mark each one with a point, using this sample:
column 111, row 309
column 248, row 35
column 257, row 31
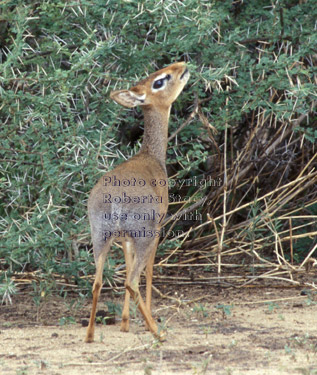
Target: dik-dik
column 128, row 204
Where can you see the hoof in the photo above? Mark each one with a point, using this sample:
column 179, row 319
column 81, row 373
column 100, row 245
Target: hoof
column 161, row 336
column 89, row 339
column 124, row 326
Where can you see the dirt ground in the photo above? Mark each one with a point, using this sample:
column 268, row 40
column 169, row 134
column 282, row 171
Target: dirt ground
column 209, row 331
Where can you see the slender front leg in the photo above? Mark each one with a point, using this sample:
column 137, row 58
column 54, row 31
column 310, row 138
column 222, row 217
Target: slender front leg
column 95, row 295
column 128, row 255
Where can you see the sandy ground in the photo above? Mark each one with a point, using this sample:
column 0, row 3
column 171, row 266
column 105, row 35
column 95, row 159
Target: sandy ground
column 230, row 332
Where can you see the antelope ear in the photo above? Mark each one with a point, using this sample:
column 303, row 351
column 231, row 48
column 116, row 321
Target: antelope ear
column 127, row 98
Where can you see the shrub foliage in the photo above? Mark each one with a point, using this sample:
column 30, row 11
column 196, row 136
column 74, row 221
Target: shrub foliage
column 242, row 147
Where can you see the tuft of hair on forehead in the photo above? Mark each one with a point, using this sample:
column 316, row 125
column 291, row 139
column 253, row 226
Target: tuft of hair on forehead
column 161, row 73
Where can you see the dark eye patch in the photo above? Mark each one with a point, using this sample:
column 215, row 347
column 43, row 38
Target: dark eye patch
column 158, row 84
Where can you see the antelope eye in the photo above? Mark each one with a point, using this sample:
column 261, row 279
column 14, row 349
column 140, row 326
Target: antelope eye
column 158, row 84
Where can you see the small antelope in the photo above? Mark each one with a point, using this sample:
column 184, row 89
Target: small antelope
column 129, row 203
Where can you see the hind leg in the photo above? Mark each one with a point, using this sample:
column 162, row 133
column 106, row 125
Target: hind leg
column 140, row 260
column 149, row 277
column 128, row 255
column 96, row 291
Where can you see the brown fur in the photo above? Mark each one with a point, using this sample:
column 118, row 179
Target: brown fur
column 147, row 165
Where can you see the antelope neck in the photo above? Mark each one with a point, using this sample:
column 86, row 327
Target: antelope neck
column 155, row 132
